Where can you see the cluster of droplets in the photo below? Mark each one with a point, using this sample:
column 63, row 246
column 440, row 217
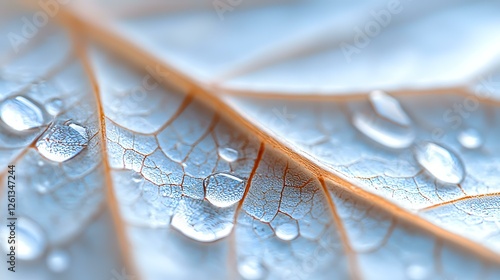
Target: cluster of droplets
column 388, row 124
column 60, row 142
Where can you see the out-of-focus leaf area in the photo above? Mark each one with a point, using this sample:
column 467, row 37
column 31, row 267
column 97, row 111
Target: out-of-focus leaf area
column 249, row 139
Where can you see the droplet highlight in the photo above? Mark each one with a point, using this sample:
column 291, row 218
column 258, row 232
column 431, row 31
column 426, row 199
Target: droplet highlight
column 31, row 241
column 416, row 272
column 386, row 122
column 54, row 106
column 58, row 261
column 470, row 138
column 223, row 190
column 439, row 161
column 251, row 268
column 228, row 154
column 287, row 231
column 62, row 141
column 201, row 221
column 20, row 113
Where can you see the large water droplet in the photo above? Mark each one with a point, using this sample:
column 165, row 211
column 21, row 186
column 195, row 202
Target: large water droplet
column 201, row 221
column 441, row 162
column 58, row 261
column 287, row 231
column 62, row 141
column 470, row 138
column 387, row 123
column 251, row 268
column 21, row 113
column 228, row 154
column 54, row 106
column 224, row 190
column 31, row 241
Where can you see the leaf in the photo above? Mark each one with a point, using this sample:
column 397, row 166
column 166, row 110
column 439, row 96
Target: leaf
column 215, row 157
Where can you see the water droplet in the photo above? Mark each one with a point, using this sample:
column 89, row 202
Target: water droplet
column 137, row 177
column 251, row 268
column 389, row 108
column 441, row 162
column 62, row 141
column 228, row 154
column 470, row 138
column 21, row 113
column 201, row 221
column 416, row 272
column 30, row 239
column 387, row 123
column 58, row 261
column 40, row 163
column 287, row 231
column 223, row 190
column 54, row 106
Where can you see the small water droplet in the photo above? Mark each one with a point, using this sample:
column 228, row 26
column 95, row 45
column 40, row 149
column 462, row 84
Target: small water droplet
column 387, row 123
column 62, row 141
column 470, row 138
column 251, row 268
column 388, row 107
column 287, row 231
column 137, row 177
column 228, row 154
column 441, row 162
column 58, row 261
column 224, row 190
column 416, row 272
column 21, row 113
column 40, row 163
column 54, row 106
column 30, row 239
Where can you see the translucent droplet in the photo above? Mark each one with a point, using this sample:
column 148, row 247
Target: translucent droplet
column 387, row 123
column 287, row 231
column 54, row 106
column 40, row 163
column 62, row 141
column 228, row 154
column 224, row 190
column 201, row 221
column 388, row 107
column 137, row 177
column 251, row 268
column 21, row 113
column 31, row 241
column 441, row 162
column 416, row 272
column 470, row 138
column 58, row 261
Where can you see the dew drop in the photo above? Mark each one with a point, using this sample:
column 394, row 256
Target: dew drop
column 388, row 107
column 137, row 177
column 470, row 138
column 62, row 141
column 201, row 221
column 287, row 231
column 416, row 272
column 228, row 154
column 223, row 190
column 441, row 162
column 21, row 113
column 58, row 261
column 54, row 106
column 387, row 123
column 30, row 239
column 251, row 268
